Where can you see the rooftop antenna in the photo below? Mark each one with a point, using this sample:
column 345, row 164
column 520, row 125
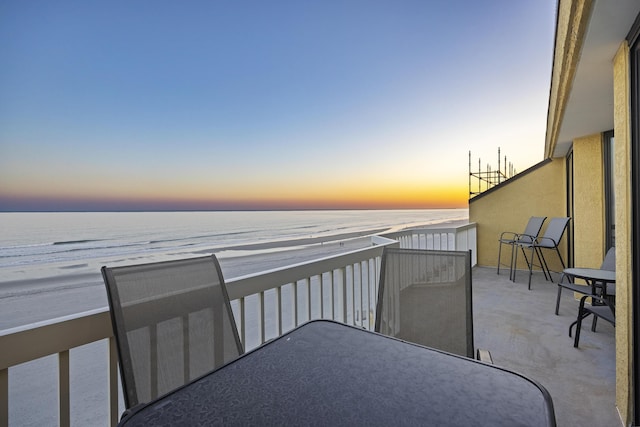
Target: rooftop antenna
column 490, row 177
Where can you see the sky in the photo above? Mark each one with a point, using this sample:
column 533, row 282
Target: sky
column 316, row 104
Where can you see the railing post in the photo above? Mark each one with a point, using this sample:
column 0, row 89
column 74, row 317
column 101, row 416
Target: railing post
column 344, row 294
column 4, row 397
column 279, row 294
column 262, row 319
column 113, row 382
column 295, row 303
column 63, row 389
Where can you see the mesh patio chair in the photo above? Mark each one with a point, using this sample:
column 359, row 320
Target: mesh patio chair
column 424, row 297
column 550, row 241
column 601, row 308
column 510, row 238
column 172, row 322
column 609, row 264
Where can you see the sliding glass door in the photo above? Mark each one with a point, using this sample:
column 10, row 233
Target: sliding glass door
column 634, row 41
column 609, row 191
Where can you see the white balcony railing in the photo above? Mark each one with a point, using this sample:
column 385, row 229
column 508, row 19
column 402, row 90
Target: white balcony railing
column 266, row 304
column 462, row 238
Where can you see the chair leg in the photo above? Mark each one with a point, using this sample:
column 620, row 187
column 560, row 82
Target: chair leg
column 514, row 263
column 560, row 258
column 577, row 337
column 558, row 298
column 543, row 265
column 530, row 262
column 581, row 315
column 500, row 257
column 561, row 262
column 533, row 250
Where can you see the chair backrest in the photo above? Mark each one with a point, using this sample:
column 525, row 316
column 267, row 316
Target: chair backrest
column 532, row 229
column 424, row 297
column 554, row 231
column 609, row 262
column 172, row 322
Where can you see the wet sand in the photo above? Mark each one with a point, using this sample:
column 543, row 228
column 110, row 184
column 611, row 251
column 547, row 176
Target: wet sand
column 27, row 301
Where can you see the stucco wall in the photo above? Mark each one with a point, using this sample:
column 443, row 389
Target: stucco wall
column 508, row 207
column 588, row 200
column 622, row 183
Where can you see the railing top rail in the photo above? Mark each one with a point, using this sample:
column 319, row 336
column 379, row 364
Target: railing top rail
column 49, row 322
column 250, row 284
column 53, row 336
column 434, row 229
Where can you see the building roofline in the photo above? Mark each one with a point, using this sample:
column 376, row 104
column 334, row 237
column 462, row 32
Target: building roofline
column 510, row 180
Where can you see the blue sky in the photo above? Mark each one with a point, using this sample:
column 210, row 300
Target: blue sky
column 274, row 104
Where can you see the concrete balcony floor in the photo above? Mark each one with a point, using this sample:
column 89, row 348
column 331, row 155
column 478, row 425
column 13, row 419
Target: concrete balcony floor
column 519, row 328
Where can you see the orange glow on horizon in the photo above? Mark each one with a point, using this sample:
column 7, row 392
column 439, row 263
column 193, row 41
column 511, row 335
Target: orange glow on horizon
column 348, row 197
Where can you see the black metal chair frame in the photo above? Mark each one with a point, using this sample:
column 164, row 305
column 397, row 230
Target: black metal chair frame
column 600, row 308
column 534, row 225
column 482, row 355
column 540, row 243
column 178, row 305
column 593, row 287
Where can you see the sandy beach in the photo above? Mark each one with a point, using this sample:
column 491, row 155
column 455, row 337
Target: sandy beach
column 73, row 293
column 34, row 384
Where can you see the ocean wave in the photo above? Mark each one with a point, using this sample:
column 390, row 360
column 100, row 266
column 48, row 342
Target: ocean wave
column 204, row 236
column 75, row 242
column 32, row 254
column 151, row 235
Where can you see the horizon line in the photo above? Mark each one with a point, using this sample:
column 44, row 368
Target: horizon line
column 221, row 210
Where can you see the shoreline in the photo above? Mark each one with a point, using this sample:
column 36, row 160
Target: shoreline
column 295, row 242
column 258, row 249
column 224, row 254
column 25, row 301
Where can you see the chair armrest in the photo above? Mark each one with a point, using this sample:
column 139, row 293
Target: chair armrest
column 583, row 289
column 603, row 301
column 520, row 241
column 484, row 356
column 538, row 241
column 512, row 235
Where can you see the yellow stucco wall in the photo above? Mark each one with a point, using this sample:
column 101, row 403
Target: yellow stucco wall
column 540, row 192
column 588, row 201
column 622, row 183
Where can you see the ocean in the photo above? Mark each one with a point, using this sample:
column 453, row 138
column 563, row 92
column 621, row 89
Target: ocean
column 40, row 245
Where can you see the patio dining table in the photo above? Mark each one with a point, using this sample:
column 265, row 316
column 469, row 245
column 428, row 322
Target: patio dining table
column 328, row 373
column 593, row 276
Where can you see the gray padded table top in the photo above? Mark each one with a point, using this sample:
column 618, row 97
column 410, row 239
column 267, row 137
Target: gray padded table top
column 328, row 373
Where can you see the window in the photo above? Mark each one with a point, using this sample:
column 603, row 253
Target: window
column 570, row 207
column 634, row 59
column 609, row 191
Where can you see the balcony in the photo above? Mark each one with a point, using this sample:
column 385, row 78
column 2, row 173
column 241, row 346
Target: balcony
column 66, row 368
